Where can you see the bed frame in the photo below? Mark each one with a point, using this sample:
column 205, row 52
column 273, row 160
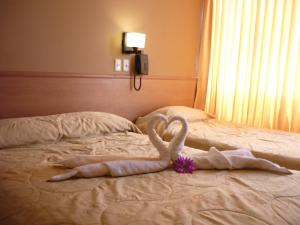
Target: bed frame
column 40, row 93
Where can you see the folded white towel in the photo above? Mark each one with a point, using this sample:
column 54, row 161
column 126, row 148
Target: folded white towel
column 82, row 160
column 114, row 168
column 233, row 159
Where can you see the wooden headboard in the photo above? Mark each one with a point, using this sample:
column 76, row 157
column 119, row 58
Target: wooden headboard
column 34, row 93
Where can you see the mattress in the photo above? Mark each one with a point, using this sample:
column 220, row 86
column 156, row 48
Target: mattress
column 204, row 197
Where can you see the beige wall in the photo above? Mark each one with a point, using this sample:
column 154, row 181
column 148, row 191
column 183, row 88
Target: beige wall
column 84, row 36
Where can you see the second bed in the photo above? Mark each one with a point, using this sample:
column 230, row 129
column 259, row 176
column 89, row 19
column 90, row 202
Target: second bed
column 280, row 147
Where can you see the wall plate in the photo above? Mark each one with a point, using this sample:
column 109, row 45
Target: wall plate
column 118, row 65
column 126, row 65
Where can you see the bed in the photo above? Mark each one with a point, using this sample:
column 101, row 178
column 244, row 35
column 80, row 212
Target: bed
column 205, row 131
column 29, row 146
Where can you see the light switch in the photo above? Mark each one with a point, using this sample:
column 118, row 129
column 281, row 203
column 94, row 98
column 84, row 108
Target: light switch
column 126, row 65
column 118, row 65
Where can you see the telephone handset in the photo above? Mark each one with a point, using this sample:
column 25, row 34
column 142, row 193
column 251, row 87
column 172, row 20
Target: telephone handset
column 141, row 68
column 141, row 64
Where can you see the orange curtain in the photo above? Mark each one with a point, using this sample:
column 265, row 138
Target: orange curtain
column 254, row 66
column 204, row 54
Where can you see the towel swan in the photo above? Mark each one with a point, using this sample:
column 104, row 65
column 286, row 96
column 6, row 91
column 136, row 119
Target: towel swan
column 215, row 159
column 97, row 166
column 177, row 142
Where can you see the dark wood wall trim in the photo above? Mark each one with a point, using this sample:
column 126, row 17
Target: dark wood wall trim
column 86, row 75
column 33, row 94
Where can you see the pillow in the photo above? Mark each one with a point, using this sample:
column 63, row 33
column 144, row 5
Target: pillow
column 80, row 124
column 190, row 114
column 28, row 130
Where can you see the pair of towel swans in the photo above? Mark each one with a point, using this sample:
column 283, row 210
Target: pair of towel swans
column 116, row 166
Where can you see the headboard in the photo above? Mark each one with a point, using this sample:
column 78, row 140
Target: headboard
column 35, row 93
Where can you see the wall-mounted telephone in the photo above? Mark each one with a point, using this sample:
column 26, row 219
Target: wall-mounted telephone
column 141, row 68
column 141, row 64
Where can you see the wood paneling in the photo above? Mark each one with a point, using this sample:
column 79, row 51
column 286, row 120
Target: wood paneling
column 31, row 94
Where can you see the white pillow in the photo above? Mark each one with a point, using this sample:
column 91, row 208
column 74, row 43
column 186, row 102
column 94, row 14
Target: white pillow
column 80, row 124
column 190, row 114
column 28, row 130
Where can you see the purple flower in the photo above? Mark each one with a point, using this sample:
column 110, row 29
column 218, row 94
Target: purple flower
column 184, row 165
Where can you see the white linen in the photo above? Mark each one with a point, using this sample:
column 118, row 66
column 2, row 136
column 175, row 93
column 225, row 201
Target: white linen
column 233, row 159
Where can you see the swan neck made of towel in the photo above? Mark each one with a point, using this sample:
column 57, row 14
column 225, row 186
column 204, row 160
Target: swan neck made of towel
column 155, row 138
column 177, row 142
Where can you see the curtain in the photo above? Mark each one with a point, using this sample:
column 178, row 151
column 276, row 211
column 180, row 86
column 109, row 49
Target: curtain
column 204, row 53
column 254, row 64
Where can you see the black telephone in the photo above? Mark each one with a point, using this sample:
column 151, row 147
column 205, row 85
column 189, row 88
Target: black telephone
column 141, row 68
column 141, row 64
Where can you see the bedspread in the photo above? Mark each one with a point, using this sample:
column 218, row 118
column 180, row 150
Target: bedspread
column 204, row 197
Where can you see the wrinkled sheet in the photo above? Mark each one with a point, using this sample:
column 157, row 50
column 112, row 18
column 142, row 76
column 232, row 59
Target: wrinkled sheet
column 280, row 147
column 204, row 197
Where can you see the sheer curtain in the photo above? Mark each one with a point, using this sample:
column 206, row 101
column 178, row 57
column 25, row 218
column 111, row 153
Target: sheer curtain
column 254, row 64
